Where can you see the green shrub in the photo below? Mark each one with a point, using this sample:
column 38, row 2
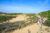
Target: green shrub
column 47, row 23
column 4, row 18
column 46, row 14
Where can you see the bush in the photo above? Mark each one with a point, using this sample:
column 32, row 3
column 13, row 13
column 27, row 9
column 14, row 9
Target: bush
column 4, row 18
column 47, row 23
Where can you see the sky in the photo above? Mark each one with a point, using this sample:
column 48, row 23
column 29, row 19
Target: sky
column 24, row 6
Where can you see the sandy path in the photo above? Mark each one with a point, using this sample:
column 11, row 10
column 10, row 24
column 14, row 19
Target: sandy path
column 18, row 18
column 31, row 28
column 34, row 28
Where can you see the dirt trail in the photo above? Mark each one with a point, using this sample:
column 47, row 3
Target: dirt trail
column 31, row 28
column 34, row 28
column 18, row 18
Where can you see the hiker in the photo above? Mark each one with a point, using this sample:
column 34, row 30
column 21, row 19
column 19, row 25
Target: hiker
column 40, row 22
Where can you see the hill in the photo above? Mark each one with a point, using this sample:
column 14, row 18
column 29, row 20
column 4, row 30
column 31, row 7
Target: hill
column 46, row 14
column 2, row 13
column 23, row 22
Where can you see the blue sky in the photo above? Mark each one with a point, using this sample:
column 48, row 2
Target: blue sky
column 24, row 6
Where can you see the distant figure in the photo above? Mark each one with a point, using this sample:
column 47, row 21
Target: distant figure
column 40, row 20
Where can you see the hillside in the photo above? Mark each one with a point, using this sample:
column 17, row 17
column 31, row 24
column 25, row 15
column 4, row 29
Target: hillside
column 25, row 23
column 7, row 16
column 46, row 14
column 2, row 13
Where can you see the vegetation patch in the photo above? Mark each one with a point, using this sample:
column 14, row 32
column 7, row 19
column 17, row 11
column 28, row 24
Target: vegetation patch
column 46, row 14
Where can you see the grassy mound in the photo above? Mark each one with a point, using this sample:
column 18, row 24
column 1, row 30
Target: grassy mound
column 46, row 14
column 4, row 18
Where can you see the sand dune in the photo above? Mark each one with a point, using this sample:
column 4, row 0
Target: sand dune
column 18, row 18
column 34, row 28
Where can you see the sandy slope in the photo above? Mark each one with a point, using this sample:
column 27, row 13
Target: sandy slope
column 18, row 18
column 31, row 28
column 34, row 28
